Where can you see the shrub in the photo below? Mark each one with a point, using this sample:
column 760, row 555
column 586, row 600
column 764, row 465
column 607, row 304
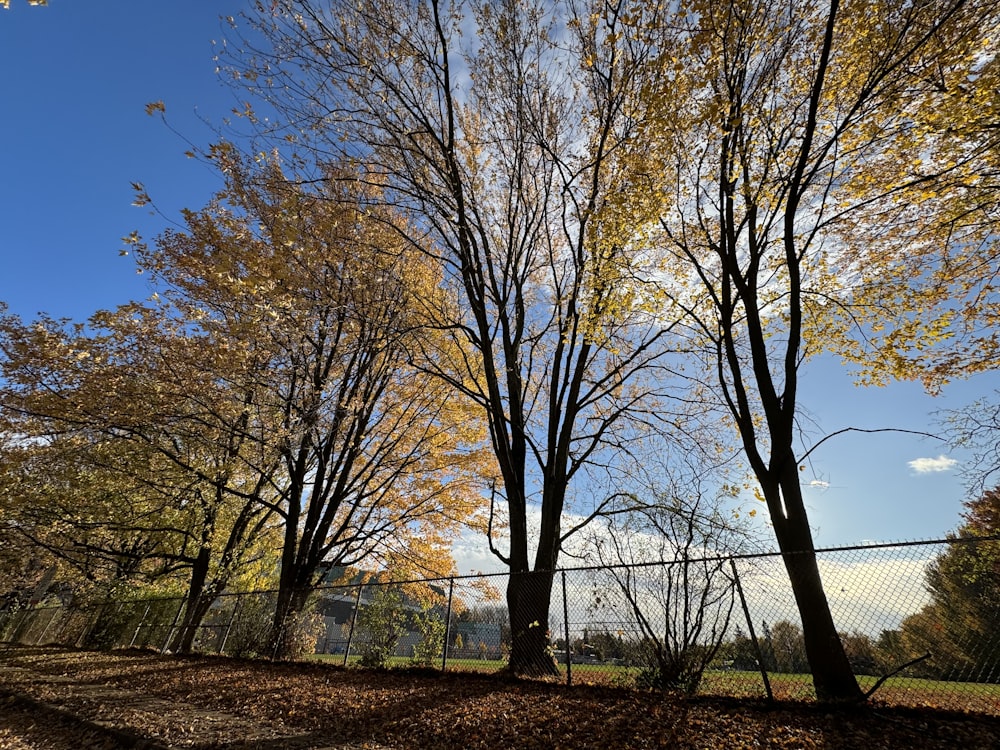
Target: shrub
column 252, row 626
column 383, row 621
column 431, row 630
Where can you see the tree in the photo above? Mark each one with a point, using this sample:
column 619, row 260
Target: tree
column 270, row 379
column 24, row 567
column 762, row 152
column 890, row 653
column 187, row 397
column 666, row 567
column 430, row 627
column 935, row 306
column 958, row 626
column 383, row 621
column 124, row 470
column 497, row 135
column 976, row 427
column 862, row 652
column 57, row 500
column 787, row 647
column 768, row 189
column 364, row 457
column 742, row 652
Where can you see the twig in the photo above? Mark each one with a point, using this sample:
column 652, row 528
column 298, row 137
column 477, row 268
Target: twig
column 897, row 670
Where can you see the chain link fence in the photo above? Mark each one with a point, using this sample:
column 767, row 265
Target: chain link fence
column 710, row 626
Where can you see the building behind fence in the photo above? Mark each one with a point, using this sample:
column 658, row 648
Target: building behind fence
column 624, row 625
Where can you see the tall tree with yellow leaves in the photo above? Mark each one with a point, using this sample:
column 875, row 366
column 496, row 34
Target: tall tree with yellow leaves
column 934, row 295
column 374, row 461
column 778, row 144
column 155, row 452
column 496, row 128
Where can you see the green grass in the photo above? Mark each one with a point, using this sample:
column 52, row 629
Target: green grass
column 472, row 665
column 799, row 686
column 899, row 691
column 902, row 691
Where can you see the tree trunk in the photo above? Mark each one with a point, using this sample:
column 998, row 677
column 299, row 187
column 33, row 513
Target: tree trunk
column 833, row 677
column 528, row 597
column 290, row 572
column 291, row 601
column 197, row 606
column 193, row 617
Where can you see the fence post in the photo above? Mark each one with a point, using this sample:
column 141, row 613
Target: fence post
column 142, row 621
column 173, row 625
column 569, row 650
column 229, row 627
column 753, row 634
column 350, row 633
column 41, row 637
column 447, row 626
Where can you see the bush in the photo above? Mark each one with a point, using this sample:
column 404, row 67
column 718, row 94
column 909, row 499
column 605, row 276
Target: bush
column 383, row 621
column 681, row 671
column 431, row 630
column 299, row 639
column 252, row 626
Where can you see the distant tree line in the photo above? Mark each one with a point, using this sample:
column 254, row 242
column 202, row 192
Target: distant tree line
column 959, row 626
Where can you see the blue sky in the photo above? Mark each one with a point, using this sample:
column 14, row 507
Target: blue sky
column 74, row 135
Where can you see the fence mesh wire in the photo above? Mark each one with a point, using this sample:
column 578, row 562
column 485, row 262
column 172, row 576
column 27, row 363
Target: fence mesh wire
column 711, row 626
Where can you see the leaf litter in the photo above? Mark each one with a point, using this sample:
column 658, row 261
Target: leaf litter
column 217, row 702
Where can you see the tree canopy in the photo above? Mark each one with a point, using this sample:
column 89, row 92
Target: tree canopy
column 496, row 128
column 272, row 381
column 783, row 192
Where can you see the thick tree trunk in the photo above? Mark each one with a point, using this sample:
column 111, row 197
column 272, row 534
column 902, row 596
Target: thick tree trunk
column 528, row 597
column 833, row 677
column 197, row 604
column 291, row 602
column 194, row 615
column 291, row 571
column 832, row 674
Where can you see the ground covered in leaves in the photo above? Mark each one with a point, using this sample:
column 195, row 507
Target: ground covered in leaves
column 56, row 698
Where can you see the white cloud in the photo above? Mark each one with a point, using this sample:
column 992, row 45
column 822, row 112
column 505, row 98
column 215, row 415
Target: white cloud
column 930, row 465
column 869, row 590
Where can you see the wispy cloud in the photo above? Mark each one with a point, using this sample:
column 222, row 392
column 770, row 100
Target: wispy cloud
column 932, row 465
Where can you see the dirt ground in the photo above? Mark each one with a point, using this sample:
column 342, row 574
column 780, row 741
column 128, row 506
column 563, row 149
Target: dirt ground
column 57, row 698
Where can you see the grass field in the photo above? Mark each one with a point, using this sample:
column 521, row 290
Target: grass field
column 898, row 691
